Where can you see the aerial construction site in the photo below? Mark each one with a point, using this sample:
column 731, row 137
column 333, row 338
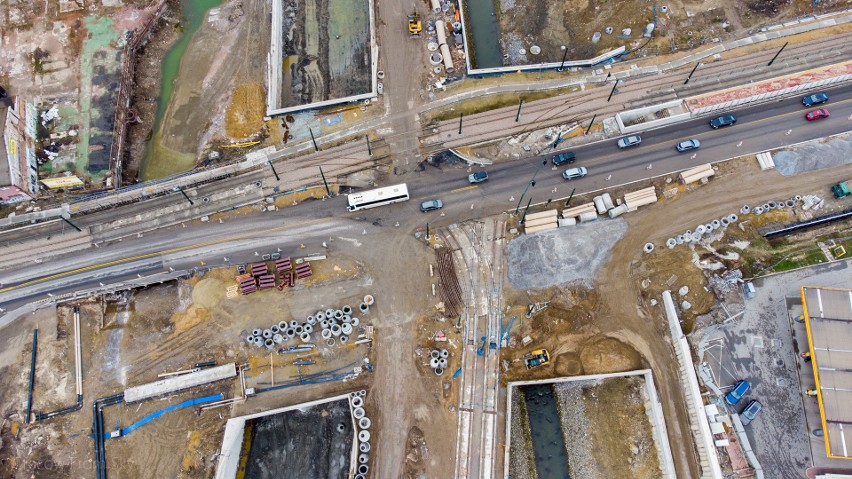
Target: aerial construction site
column 457, row 239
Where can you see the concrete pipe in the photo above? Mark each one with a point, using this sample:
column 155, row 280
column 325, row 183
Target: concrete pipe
column 267, row 333
column 364, row 422
column 269, row 343
column 607, row 199
column 599, row 204
column 257, row 332
column 732, row 218
column 439, row 371
column 797, row 198
column 335, row 330
column 258, row 341
column 308, row 328
column 687, row 232
column 716, row 224
column 330, row 342
column 278, row 339
column 324, row 324
column 282, row 325
column 275, row 330
column 329, row 313
column 250, row 339
column 364, row 308
column 745, row 209
column 290, row 332
column 294, row 323
column 363, row 459
column 364, row 447
column 369, row 299
column 344, row 338
column 648, row 247
column 434, row 363
column 326, row 333
column 709, row 227
column 341, row 427
column 362, row 393
column 790, row 203
column 700, row 229
column 442, row 363
column 320, row 316
column 435, row 353
column 432, row 47
column 355, row 322
column 346, row 318
column 299, row 329
column 695, row 237
column 444, row 353
column 362, row 469
column 671, row 243
column 346, row 328
column 305, row 337
column 766, row 207
column 758, row 211
column 724, row 221
column 435, row 59
column 360, row 476
column 358, row 413
column 312, row 320
column 347, row 309
column 679, row 239
column 356, row 401
column 363, row 436
column 338, row 315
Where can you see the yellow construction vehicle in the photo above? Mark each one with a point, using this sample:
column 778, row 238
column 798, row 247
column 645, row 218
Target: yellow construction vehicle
column 415, row 26
column 536, row 358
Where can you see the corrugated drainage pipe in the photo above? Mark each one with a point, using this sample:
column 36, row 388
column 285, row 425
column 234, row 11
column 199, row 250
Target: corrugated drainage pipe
column 365, row 423
column 369, row 299
column 364, row 447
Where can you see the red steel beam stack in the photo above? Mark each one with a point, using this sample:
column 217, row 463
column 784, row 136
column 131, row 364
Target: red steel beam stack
column 287, row 280
column 259, row 269
column 247, row 283
column 303, row 270
column 283, row 265
column 266, row 281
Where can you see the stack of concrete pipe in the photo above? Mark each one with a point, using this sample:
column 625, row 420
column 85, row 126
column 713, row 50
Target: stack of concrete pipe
column 692, row 237
column 356, row 406
column 335, row 325
column 438, row 360
column 441, row 31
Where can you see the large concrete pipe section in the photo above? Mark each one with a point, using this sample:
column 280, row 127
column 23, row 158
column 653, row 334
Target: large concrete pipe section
column 441, row 29
column 436, row 6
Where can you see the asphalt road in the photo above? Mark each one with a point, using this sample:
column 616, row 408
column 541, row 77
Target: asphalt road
column 759, row 128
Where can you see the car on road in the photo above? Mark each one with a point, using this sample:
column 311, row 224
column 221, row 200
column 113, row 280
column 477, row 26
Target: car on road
column 477, row 177
column 572, row 173
column 817, row 114
column 815, row 99
column 725, row 120
column 628, row 141
column 737, row 393
column 687, row 145
column 431, row 205
column 750, row 412
column 560, row 159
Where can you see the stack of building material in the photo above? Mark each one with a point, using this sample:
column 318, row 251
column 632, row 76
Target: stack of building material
column 578, row 210
column 259, row 269
column 266, row 281
column 288, row 280
column 541, row 221
column 696, row 174
column 765, row 160
column 303, row 270
column 645, row 196
column 283, row 265
column 247, row 283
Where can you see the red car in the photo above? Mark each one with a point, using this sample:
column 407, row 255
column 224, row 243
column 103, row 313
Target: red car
column 817, row 114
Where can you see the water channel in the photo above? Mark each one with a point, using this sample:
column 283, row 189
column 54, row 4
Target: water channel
column 482, row 21
column 551, row 460
column 193, row 13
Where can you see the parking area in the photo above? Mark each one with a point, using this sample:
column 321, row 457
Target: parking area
column 762, row 342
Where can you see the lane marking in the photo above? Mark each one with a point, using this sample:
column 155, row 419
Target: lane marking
column 464, row 188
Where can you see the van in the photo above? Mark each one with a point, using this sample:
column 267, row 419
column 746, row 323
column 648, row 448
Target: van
column 734, row 396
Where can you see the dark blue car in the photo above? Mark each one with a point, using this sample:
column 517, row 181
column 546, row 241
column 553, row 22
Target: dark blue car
column 815, row 99
column 734, row 396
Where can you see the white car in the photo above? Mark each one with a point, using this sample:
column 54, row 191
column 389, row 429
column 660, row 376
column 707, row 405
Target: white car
column 629, row 141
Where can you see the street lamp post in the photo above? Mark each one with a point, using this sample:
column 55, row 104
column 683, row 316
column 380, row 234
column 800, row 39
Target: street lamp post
column 531, row 183
column 564, row 54
column 697, row 64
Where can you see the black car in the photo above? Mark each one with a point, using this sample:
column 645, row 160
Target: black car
column 560, row 159
column 726, row 120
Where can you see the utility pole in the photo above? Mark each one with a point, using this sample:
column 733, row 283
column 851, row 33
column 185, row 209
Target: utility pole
column 277, row 178
column 184, row 195
column 531, row 183
column 461, row 115
column 613, row 90
column 564, row 54
column 526, row 210
column 570, row 196
column 518, row 115
column 776, row 55
column 369, row 149
column 311, row 130
column 697, row 64
column 327, row 190
column 590, row 124
column 70, row 223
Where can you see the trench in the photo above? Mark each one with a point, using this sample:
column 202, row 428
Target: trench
column 481, row 19
column 193, row 13
column 551, row 460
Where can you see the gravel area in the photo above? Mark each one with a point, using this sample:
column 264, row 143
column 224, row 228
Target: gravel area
column 521, row 462
column 575, row 424
column 564, row 255
column 814, row 155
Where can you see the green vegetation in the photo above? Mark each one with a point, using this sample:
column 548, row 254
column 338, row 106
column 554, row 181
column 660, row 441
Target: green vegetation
column 491, row 102
column 799, row 259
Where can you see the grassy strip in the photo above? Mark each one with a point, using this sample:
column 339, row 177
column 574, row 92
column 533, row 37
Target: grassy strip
column 490, row 102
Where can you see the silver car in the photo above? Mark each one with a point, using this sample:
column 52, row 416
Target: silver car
column 688, row 145
column 431, row 205
column 572, row 173
column 629, row 141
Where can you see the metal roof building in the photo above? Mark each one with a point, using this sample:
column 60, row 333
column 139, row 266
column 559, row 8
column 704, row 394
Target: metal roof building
column 828, row 317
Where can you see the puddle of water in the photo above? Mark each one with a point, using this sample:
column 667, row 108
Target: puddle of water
column 482, row 21
column 551, row 461
column 156, row 165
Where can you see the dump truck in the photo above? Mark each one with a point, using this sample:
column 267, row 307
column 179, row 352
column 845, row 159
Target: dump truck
column 842, row 189
column 536, row 358
column 415, row 26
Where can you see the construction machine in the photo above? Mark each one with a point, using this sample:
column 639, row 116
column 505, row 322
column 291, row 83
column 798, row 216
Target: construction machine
column 536, row 358
column 415, row 26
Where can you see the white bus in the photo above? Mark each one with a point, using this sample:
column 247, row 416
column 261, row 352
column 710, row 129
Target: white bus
column 378, row 197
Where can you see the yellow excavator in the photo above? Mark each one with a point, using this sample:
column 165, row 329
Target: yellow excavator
column 415, row 26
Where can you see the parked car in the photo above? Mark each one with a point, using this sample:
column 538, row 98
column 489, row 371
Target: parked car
column 477, row 177
column 817, row 114
column 572, row 173
column 726, row 120
column 431, row 205
column 560, row 159
column 687, row 145
column 815, row 99
column 737, row 393
column 750, row 412
column 629, row 141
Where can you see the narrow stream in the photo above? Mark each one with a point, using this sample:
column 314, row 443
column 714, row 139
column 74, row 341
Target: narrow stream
column 551, row 461
column 485, row 34
column 193, row 13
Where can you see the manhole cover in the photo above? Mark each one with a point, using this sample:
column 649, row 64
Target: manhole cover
column 776, row 343
column 779, row 362
column 781, row 382
column 757, row 342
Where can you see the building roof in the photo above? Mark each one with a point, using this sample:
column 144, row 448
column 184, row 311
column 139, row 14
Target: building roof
column 828, row 317
column 5, row 174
